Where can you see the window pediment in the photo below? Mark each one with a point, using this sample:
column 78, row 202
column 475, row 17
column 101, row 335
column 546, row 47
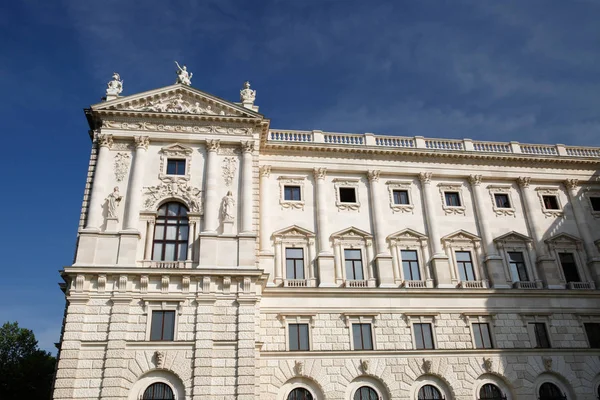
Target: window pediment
column 352, row 234
column 407, row 235
column 293, row 232
column 461, row 238
column 564, row 240
column 513, row 237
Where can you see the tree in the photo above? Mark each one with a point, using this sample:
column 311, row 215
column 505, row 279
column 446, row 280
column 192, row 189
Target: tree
column 26, row 372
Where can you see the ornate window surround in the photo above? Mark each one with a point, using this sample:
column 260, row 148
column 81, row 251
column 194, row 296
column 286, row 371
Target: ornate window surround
column 361, row 318
column 408, row 239
column 502, row 189
column 529, row 318
column 366, row 380
column 464, row 241
column 353, row 238
column 592, row 193
column 346, row 183
column 550, row 191
column 300, row 238
column 516, row 242
column 291, row 181
column 179, row 152
column 297, row 318
column 151, row 304
column 400, row 185
column 413, row 318
column 471, row 318
column 565, row 243
column 495, row 380
column 452, row 187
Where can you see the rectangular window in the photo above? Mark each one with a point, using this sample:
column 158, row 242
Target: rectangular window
column 361, row 336
column 175, row 167
column 400, row 197
column 353, row 261
column 541, row 336
column 291, row 193
column 294, row 263
column 518, row 270
column 452, row 199
column 347, row 195
column 423, row 337
column 410, row 265
column 550, row 202
column 464, row 263
column 569, row 267
column 592, row 330
column 162, row 326
column 595, row 201
column 298, row 335
column 481, row 334
column 502, row 200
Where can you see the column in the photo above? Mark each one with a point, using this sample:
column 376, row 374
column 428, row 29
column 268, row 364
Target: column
column 591, row 251
column 395, row 262
column 325, row 261
column 191, row 228
column 545, row 263
column 265, row 242
column 278, row 261
column 439, row 260
column 99, row 186
column 383, row 259
column 134, row 187
column 311, row 263
column 149, row 239
column 491, row 259
column 211, row 211
column 370, row 261
column 246, row 197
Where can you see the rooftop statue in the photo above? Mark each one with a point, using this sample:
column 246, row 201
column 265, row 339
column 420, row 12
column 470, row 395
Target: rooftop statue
column 183, row 76
column 247, row 95
column 114, row 87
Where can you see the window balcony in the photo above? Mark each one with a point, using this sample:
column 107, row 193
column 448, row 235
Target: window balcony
column 473, row 284
column 581, row 285
column 356, row 283
column 295, row 283
column 414, row 284
column 527, row 285
column 167, row 264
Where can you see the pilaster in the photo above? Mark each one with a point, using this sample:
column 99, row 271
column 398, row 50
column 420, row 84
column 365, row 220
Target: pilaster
column 203, row 346
column 248, row 148
column 325, row 262
column 99, row 185
column 246, row 347
column 383, row 258
column 211, row 210
column 134, row 188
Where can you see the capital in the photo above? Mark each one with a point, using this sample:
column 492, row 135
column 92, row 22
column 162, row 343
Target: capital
column 142, row 142
column 475, row 180
column 373, row 175
column 105, row 140
column 425, row 177
column 523, row 181
column 571, row 183
column 320, row 173
column 248, row 146
column 265, row 170
column 213, row 145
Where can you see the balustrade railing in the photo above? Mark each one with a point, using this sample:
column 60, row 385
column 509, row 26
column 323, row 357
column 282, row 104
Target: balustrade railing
column 357, row 283
column 581, row 285
column 295, row 283
column 525, row 285
column 415, row 284
column 491, row 147
column 167, row 264
column 473, row 284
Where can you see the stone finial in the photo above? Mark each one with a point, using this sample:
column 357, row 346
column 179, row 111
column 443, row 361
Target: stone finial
column 247, row 95
column 114, row 87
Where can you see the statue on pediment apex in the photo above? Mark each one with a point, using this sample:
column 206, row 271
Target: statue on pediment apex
column 247, row 95
column 183, row 76
column 114, row 87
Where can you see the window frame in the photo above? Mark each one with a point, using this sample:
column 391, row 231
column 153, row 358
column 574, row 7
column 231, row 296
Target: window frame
column 514, row 242
column 143, row 394
column 163, row 221
column 360, row 259
column 587, row 336
column 474, row 335
column 460, row 262
column 151, row 305
column 465, row 241
column 529, row 320
column 297, row 318
column 353, row 239
column 301, row 259
column 588, row 319
column 289, row 332
column 564, row 243
column 422, row 318
column 352, row 183
column 350, row 319
column 417, row 261
column 550, row 191
column 505, row 190
column 298, row 238
column 407, row 239
column 441, row 393
column 177, row 161
column 589, row 195
column 393, row 186
column 297, row 181
column 362, row 326
column 176, row 151
column 451, row 188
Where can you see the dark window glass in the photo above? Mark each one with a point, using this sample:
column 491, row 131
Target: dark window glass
column 171, row 233
column 481, row 333
column 365, row 393
column 361, row 336
column 541, row 336
column 595, row 203
column 298, row 337
column 291, row 193
column 429, row 392
column 452, row 199
column 294, row 263
column 158, row 391
column 569, row 267
column 353, row 261
column 347, row 195
column 423, row 336
column 502, row 200
column 550, row 202
column 464, row 263
column 400, row 196
column 592, row 330
column 300, row 394
column 175, row 167
column 517, row 266
column 410, row 265
column 489, row 391
column 162, row 326
column 549, row 391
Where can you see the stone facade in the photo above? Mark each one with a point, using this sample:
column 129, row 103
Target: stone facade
column 252, row 193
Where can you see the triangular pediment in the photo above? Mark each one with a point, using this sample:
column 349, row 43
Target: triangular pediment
column 177, row 99
column 462, row 235
column 407, row 234
column 176, row 148
column 351, row 232
column 294, row 231
column 513, row 237
column 563, row 238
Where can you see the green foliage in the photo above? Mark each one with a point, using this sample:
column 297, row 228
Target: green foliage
column 26, row 372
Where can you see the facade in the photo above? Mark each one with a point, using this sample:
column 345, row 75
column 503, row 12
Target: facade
column 218, row 258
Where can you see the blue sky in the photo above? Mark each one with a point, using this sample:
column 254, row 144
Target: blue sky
column 489, row 70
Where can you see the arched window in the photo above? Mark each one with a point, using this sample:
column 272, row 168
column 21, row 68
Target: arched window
column 158, row 391
column 300, row 394
column 365, row 393
column 429, row 392
column 549, row 391
column 171, row 233
column 489, row 391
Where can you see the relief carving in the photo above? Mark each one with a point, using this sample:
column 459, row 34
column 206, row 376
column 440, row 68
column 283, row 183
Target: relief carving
column 229, row 169
column 190, row 194
column 122, row 161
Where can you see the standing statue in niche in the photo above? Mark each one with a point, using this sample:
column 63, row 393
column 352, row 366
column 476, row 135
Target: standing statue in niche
column 112, row 202
column 228, row 212
column 183, row 76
